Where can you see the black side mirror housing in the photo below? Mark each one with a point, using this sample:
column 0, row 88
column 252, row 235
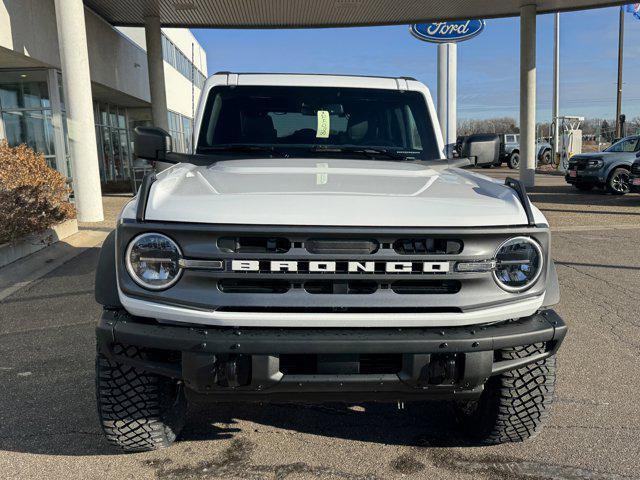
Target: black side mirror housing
column 152, row 143
column 483, row 148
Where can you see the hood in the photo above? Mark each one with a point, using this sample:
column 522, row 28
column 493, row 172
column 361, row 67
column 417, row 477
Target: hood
column 606, row 156
column 332, row 192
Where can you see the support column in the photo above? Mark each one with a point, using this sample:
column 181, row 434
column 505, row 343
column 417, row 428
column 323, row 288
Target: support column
column 556, row 88
column 528, row 94
column 447, row 93
column 74, row 58
column 153, row 34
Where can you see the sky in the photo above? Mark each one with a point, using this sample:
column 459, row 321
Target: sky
column 488, row 74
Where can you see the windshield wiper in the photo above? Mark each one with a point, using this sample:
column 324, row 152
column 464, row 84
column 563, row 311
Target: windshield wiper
column 370, row 152
column 245, row 148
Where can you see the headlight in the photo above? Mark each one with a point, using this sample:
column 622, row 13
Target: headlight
column 597, row 163
column 153, row 261
column 518, row 264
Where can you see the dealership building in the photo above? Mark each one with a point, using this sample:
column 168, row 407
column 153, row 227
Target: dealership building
column 104, row 80
column 33, row 106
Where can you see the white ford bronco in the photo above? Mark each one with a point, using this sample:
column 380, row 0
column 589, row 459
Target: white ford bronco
column 318, row 246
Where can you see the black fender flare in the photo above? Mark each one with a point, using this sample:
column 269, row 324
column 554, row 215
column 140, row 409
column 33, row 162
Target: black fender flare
column 106, row 290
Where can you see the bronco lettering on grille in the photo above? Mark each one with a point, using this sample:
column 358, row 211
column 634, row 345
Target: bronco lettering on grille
column 332, row 266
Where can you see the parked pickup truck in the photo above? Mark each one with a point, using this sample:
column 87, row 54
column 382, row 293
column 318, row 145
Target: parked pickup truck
column 510, row 150
column 608, row 169
column 318, row 246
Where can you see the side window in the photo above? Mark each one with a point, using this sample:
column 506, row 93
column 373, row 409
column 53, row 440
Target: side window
column 629, row 145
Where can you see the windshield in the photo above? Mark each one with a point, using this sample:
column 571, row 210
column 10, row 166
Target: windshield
column 328, row 121
column 631, row 144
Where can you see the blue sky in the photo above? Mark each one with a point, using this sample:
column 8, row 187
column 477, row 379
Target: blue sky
column 488, row 82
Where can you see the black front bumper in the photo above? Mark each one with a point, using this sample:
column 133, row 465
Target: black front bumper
column 634, row 188
column 585, row 177
column 247, row 363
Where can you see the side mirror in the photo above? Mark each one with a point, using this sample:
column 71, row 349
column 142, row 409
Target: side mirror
column 483, row 148
column 152, row 143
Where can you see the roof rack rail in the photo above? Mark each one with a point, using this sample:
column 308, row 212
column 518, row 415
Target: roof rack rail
column 521, row 192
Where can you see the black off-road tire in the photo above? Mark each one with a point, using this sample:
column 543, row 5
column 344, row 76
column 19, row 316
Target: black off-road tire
column 138, row 411
column 514, row 160
column 515, row 404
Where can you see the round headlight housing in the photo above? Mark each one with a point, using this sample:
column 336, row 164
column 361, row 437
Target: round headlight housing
column 518, row 264
column 153, row 261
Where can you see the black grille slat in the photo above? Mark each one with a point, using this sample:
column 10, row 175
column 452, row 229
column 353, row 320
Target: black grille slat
column 427, row 246
column 254, row 286
column 326, row 246
column 635, row 168
column 426, row 287
column 254, row 244
column 329, row 287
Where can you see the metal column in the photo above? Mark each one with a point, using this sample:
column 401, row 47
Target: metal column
column 447, row 93
column 556, row 87
column 528, row 94
column 74, row 58
column 153, row 34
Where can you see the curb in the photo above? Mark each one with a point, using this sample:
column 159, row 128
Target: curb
column 12, row 252
column 26, row 270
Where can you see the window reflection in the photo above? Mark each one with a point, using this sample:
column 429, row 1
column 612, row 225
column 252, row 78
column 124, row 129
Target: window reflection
column 26, row 113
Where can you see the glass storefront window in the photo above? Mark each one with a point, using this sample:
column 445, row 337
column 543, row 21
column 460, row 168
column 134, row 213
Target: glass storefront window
column 180, row 131
column 31, row 127
column 26, row 111
column 24, row 90
column 114, row 150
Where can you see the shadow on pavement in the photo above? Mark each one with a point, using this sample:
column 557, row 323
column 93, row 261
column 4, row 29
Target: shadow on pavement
column 567, row 195
column 417, row 424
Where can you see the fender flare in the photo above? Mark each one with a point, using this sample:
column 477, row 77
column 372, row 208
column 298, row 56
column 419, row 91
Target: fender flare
column 106, row 284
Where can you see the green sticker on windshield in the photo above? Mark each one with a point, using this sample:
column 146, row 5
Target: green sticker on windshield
column 323, row 124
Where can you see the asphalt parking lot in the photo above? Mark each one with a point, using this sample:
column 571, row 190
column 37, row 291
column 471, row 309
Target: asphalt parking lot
column 49, row 429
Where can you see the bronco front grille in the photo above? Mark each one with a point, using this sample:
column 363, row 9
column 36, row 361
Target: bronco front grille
column 635, row 168
column 331, row 269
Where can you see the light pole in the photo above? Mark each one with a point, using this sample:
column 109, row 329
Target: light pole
column 619, row 92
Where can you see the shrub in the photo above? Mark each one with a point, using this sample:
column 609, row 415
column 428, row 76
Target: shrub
column 33, row 196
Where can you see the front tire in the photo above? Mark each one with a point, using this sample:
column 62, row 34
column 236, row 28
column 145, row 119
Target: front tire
column 545, row 158
column 515, row 404
column 618, row 182
column 514, row 160
column 138, row 411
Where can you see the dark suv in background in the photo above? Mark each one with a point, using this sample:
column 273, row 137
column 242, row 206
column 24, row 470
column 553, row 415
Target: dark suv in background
column 608, row 169
column 634, row 179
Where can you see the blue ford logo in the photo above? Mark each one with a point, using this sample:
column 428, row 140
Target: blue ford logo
column 443, row 32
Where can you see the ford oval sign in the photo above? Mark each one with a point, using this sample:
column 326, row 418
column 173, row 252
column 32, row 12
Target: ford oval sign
column 445, row 32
